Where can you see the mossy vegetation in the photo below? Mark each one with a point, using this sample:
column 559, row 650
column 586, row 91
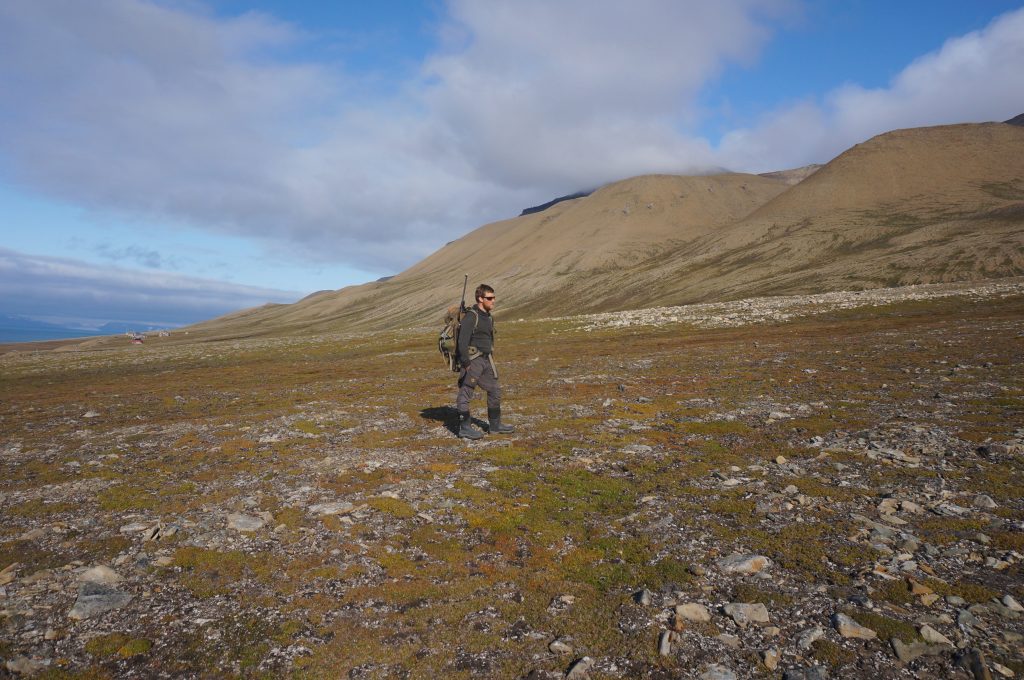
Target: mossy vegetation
column 118, row 644
column 886, row 627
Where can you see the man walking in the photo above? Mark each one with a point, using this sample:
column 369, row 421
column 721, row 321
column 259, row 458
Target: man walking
column 475, row 348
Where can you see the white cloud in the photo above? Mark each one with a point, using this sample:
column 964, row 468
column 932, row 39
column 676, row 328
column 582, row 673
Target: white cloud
column 977, row 77
column 158, row 112
column 46, row 287
column 154, row 111
column 579, row 92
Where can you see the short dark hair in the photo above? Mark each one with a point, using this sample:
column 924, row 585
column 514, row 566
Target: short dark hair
column 482, row 290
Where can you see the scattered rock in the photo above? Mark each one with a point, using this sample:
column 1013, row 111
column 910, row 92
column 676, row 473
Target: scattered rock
column 9, row 573
column 934, row 637
column 33, row 534
column 911, row 508
column 100, row 574
column 744, row 614
column 23, row 665
column 332, row 508
column 692, row 611
column 973, row 661
column 245, row 523
column 665, row 643
column 579, row 668
column 812, row 673
column 908, row 652
column 97, row 598
column 743, row 564
column 560, row 646
column 642, row 597
column 807, row 637
column 966, row 620
column 136, row 527
column 984, row 502
column 717, row 672
column 849, row 628
column 1003, row 670
column 730, row 641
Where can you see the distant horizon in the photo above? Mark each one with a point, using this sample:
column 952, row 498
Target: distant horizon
column 14, row 329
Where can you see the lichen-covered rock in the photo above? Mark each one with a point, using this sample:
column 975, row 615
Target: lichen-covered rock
column 743, row 564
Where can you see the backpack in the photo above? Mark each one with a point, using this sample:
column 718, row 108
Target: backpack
column 448, row 340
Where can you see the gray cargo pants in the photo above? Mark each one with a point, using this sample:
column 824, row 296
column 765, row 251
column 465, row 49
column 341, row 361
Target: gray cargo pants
column 480, row 372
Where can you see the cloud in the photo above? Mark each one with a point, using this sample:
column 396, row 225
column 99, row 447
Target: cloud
column 162, row 112
column 143, row 257
column 47, row 287
column 158, row 112
column 581, row 92
column 977, row 77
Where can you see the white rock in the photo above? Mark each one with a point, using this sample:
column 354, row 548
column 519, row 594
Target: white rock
column 717, row 672
column 136, row 527
column 23, row 665
column 333, row 508
column 911, row 507
column 100, row 574
column 934, row 637
column 692, row 611
column 743, row 564
column 888, row 506
column 849, row 628
column 744, row 614
column 665, row 643
column 245, row 523
column 985, row 502
column 580, row 668
column 560, row 647
column 9, row 573
column 95, row 599
column 730, row 641
column 1002, row 670
column 1011, row 603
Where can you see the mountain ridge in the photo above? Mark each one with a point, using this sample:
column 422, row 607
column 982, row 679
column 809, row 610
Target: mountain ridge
column 918, row 205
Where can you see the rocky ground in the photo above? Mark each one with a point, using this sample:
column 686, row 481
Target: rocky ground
column 804, row 488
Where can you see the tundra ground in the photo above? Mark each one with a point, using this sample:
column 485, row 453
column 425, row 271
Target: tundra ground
column 301, row 506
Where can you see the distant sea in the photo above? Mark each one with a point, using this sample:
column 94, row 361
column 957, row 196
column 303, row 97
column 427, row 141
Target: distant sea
column 36, row 334
column 21, row 329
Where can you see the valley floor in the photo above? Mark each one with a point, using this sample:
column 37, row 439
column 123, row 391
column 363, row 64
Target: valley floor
column 836, row 495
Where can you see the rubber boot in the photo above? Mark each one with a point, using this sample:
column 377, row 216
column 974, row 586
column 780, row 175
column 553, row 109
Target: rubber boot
column 466, row 429
column 494, row 425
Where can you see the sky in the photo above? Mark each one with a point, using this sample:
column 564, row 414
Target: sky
column 168, row 161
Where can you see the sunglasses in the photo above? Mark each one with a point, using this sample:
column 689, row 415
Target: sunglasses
column 489, row 297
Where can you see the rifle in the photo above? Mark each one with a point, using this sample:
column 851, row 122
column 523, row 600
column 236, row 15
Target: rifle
column 462, row 304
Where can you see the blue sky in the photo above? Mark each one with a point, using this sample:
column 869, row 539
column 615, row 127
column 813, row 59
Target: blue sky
column 168, row 161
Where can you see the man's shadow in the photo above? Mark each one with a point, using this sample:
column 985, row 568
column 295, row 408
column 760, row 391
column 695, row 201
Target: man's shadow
column 447, row 415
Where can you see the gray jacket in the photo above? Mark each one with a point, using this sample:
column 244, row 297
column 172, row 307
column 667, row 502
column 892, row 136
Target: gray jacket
column 477, row 331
